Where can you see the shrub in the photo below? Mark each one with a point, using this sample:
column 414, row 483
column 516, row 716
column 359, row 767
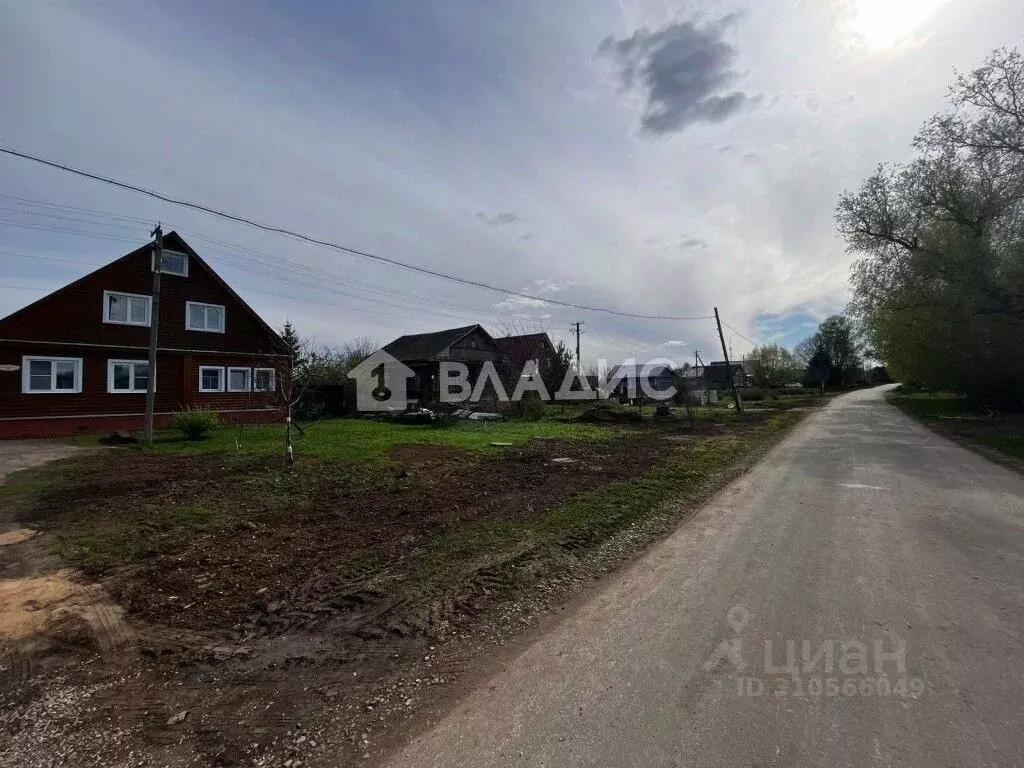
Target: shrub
column 532, row 408
column 606, row 413
column 195, row 422
column 444, row 421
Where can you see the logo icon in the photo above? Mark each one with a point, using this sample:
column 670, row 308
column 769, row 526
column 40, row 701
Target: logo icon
column 381, row 383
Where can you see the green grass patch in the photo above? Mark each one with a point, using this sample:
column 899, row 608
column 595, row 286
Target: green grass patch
column 956, row 417
column 368, row 438
column 1011, row 445
column 934, row 405
column 100, row 540
column 35, row 480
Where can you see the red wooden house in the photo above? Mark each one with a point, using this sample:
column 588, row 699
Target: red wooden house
column 77, row 360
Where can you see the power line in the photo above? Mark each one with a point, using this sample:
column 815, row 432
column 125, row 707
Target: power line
column 327, row 243
column 280, row 269
column 417, row 313
column 25, row 288
column 746, row 338
column 28, row 201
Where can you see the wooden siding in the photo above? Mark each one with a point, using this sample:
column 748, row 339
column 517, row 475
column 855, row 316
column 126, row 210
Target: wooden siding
column 177, row 384
column 74, row 314
column 476, row 347
column 69, row 323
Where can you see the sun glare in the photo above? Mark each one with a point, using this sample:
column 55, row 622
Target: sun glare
column 883, row 23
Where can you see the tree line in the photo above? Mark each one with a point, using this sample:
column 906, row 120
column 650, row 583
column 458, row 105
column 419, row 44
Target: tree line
column 832, row 357
column 318, row 365
column 938, row 288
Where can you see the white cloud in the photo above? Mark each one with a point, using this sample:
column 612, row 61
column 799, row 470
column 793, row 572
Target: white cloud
column 491, row 143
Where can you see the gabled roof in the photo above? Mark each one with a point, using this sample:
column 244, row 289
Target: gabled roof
column 736, row 366
column 718, row 371
column 172, row 242
column 517, row 350
column 427, row 346
column 637, row 371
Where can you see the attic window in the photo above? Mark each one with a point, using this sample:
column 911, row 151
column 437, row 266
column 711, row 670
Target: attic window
column 172, row 263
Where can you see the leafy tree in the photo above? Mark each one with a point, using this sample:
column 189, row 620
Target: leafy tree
column 832, row 356
column 819, row 368
column 838, row 339
column 772, row 366
column 939, row 289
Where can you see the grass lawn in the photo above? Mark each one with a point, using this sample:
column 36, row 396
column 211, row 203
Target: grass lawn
column 954, row 416
column 358, row 439
column 368, row 438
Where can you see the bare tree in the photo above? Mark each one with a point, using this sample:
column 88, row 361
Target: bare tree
column 518, row 326
column 288, row 389
column 805, row 350
column 331, row 365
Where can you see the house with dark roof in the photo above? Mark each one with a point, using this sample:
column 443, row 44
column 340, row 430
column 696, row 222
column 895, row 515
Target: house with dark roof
column 424, row 352
column 629, row 381
column 715, row 375
column 77, row 360
column 718, row 373
column 516, row 351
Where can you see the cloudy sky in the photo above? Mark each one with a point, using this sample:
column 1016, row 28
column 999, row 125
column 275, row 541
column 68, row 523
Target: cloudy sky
column 657, row 158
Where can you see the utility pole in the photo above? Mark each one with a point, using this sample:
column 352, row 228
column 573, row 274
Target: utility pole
column 154, row 317
column 728, row 366
column 579, row 362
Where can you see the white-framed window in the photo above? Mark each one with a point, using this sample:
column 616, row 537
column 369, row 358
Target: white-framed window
column 263, row 380
column 127, row 376
column 172, row 263
column 204, row 317
column 61, row 375
column 211, row 378
column 126, row 308
column 239, row 379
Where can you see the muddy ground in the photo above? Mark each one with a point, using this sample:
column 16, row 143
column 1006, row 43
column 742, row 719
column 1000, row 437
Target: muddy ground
column 245, row 614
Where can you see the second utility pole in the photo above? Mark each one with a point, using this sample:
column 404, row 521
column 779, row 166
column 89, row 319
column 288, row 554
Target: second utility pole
column 154, row 319
column 728, row 365
column 579, row 362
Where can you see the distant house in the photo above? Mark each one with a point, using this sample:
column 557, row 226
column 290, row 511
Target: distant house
column 515, row 352
column 628, row 381
column 77, row 360
column 424, row 352
column 717, row 375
